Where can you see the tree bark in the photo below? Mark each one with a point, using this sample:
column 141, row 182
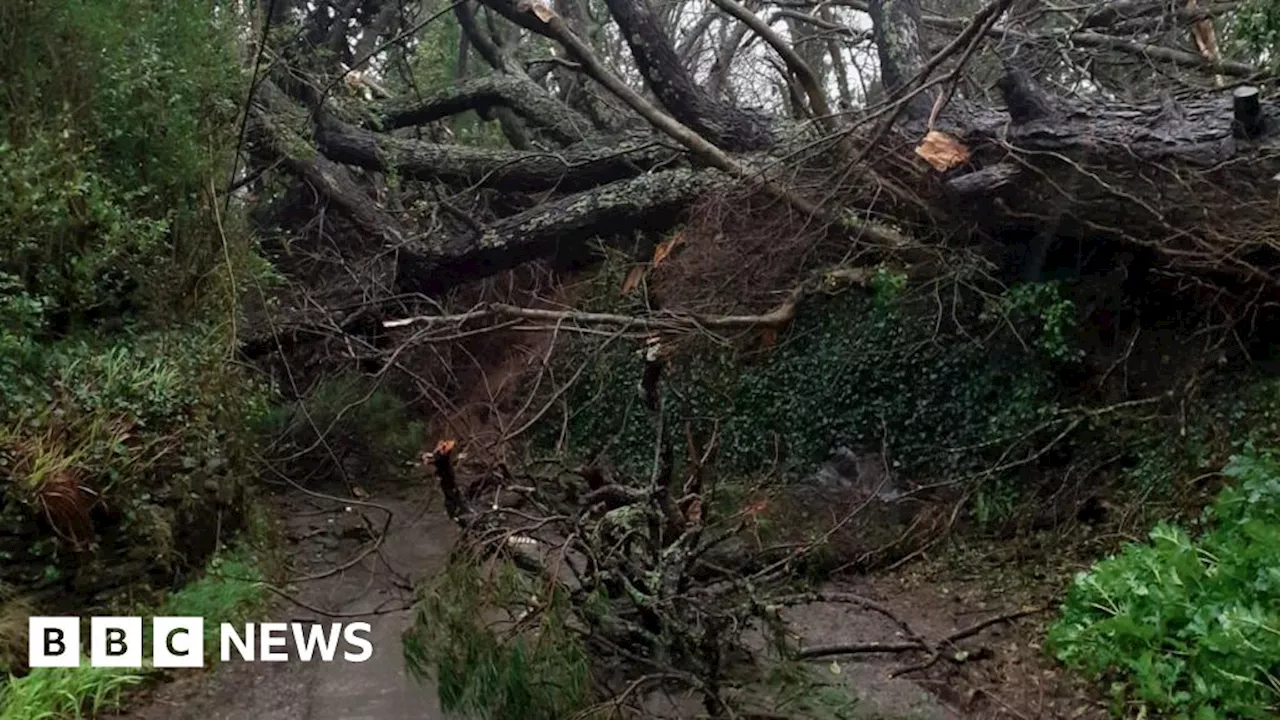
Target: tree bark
column 272, row 120
column 520, row 94
column 1171, row 177
column 726, row 126
column 653, row 202
column 896, row 29
column 578, row 167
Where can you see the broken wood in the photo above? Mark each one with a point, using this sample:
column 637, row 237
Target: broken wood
column 667, row 320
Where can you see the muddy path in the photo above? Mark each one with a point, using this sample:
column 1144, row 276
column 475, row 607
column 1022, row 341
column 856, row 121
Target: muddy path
column 1004, row 676
column 322, row 538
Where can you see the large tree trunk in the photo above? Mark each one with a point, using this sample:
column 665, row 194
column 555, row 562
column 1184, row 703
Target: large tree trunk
column 1172, row 177
column 1187, row 179
column 653, row 202
column 724, row 125
column 578, row 167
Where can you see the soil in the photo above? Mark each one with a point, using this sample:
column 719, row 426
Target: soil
column 999, row 673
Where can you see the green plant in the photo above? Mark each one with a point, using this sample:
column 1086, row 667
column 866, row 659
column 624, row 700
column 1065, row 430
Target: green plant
column 117, row 276
column 351, row 414
column 1253, row 32
column 995, row 502
column 119, row 115
column 1189, row 627
column 535, row 670
column 126, row 419
column 858, row 369
column 1041, row 311
column 887, row 284
column 800, row 690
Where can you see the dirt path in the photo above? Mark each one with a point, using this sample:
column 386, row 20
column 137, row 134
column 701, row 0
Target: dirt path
column 1005, row 678
column 998, row 673
column 321, row 536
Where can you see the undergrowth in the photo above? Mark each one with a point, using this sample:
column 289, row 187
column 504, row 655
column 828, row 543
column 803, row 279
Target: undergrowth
column 345, row 419
column 1188, row 625
column 129, row 434
column 870, row 370
column 126, row 437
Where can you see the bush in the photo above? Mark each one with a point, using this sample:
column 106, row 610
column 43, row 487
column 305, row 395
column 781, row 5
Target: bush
column 118, row 119
column 125, row 435
column 128, row 443
column 1189, row 627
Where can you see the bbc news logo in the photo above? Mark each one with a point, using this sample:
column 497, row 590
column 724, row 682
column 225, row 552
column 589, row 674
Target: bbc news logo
column 178, row 642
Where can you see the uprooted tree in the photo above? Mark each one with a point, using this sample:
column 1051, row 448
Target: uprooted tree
column 1124, row 125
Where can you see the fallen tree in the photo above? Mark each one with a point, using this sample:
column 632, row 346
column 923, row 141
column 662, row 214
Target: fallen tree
column 1189, row 178
column 651, row 571
column 990, row 126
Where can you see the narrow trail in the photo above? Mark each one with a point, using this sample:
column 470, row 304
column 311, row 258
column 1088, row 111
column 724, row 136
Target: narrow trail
column 321, row 535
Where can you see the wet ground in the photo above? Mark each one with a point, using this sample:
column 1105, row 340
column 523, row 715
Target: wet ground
column 323, row 536
column 1000, row 672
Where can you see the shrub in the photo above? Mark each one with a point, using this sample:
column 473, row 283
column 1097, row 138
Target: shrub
column 125, row 435
column 117, row 118
column 1189, row 627
column 128, row 435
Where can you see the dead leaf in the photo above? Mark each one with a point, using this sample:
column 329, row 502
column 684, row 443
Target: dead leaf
column 633, row 279
column 665, row 247
column 539, row 8
column 768, row 338
column 942, row 151
column 694, row 513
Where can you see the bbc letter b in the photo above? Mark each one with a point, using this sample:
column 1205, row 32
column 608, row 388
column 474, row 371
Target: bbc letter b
column 53, row 642
column 115, row 642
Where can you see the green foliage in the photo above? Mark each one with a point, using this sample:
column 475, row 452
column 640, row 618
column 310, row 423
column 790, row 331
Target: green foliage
column 854, row 369
column 434, row 61
column 1235, row 411
column 118, row 115
column 118, row 276
column 53, row 693
column 146, row 420
column 434, row 66
column 887, row 285
column 1253, row 32
column 231, row 591
column 798, row 690
column 1189, row 627
column 1039, row 310
column 540, row 672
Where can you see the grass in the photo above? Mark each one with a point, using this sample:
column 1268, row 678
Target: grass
column 231, row 590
